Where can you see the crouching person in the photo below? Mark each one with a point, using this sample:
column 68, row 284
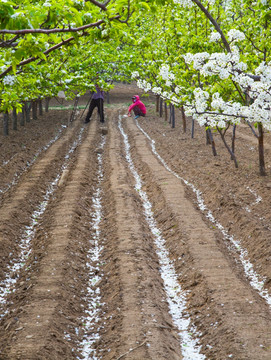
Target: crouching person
column 137, row 107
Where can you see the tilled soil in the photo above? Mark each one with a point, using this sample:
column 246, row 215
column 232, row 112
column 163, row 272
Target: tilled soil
column 81, row 273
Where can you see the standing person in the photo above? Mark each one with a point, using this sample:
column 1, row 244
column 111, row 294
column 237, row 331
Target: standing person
column 137, row 106
column 97, row 100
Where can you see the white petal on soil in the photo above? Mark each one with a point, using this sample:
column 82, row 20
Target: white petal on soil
column 94, row 311
column 176, row 297
column 29, row 232
column 256, row 281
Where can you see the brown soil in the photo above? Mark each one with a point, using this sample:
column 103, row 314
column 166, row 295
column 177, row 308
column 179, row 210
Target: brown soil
column 43, row 314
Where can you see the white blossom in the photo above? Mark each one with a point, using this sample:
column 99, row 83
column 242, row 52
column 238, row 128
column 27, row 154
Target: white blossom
column 188, row 58
column 165, row 72
column 214, row 37
column 223, row 74
column 79, row 2
column 143, row 84
column 61, row 95
column 221, row 123
column 9, row 80
column 157, row 90
column 104, row 33
column 174, row 99
column 236, row 35
column 16, row 15
column 88, row 15
column 201, row 98
column 134, row 74
column 184, row 3
column 165, row 95
column 178, row 90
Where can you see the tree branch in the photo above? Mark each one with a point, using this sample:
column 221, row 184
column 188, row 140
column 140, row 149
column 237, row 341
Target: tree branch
column 217, row 27
column 51, row 31
column 101, row 6
column 129, row 14
column 9, row 43
column 33, row 58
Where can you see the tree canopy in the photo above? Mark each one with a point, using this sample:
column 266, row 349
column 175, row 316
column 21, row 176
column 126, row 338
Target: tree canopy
column 212, row 57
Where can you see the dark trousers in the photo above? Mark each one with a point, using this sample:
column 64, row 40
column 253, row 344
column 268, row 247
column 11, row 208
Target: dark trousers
column 99, row 103
column 137, row 111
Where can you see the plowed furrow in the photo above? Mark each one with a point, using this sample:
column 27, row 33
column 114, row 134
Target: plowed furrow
column 229, row 313
column 141, row 326
column 19, row 203
column 44, row 316
column 97, row 280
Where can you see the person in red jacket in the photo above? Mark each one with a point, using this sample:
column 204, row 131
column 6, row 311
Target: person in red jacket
column 137, row 106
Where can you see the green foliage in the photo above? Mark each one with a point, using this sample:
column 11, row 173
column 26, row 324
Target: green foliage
column 150, row 34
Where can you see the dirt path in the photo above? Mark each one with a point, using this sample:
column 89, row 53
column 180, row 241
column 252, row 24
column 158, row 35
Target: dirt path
column 106, row 255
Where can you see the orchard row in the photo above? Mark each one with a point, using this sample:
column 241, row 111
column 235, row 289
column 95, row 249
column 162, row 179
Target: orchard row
column 210, row 58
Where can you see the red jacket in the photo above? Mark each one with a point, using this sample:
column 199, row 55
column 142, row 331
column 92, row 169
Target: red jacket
column 138, row 103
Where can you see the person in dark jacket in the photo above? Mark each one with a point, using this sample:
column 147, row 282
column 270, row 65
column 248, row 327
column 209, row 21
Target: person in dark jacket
column 137, row 106
column 97, row 100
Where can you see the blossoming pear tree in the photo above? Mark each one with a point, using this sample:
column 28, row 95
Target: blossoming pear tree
column 210, row 57
column 219, row 69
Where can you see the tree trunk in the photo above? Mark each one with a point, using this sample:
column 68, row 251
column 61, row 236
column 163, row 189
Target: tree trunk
column 161, row 108
column 27, row 112
column 22, row 116
column 40, row 107
column 261, row 150
column 173, row 116
column 233, row 139
column 212, row 142
column 233, row 157
column 192, row 128
column 47, row 100
column 74, row 109
column 14, row 119
column 5, row 123
column 107, row 98
column 166, row 112
column 34, row 110
column 184, row 119
column 208, row 140
column 157, row 103
column 251, row 128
